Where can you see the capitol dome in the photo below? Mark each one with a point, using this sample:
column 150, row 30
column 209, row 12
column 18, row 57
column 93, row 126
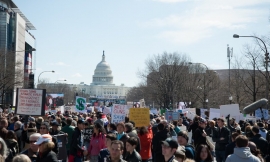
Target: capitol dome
column 103, row 73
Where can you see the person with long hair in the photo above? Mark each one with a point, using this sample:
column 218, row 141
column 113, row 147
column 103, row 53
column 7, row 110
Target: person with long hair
column 146, row 136
column 98, row 142
column 45, row 146
column 3, row 150
column 203, row 154
column 12, row 145
column 255, row 151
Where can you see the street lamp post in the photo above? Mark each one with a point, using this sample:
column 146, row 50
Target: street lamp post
column 266, row 63
column 229, row 56
column 204, row 91
column 44, row 72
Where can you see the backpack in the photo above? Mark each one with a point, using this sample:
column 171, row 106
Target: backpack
column 11, row 154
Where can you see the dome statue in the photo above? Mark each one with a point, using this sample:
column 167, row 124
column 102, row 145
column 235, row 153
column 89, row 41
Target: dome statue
column 103, row 73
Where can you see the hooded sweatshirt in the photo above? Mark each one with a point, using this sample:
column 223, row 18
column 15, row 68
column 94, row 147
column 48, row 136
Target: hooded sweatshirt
column 242, row 154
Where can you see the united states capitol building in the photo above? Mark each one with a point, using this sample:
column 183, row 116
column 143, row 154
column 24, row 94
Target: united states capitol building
column 102, row 87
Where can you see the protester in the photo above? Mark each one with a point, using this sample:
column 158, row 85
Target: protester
column 169, row 147
column 260, row 142
column 45, row 146
column 230, row 147
column 221, row 137
column 69, row 130
column 132, row 155
column 130, row 133
column 200, row 134
column 12, row 145
column 32, row 152
column 104, row 153
column 121, row 135
column 21, row 158
column 182, row 138
column 111, row 128
column 116, row 152
column 18, row 132
column 180, row 154
column 76, row 147
column 242, row 151
column 145, row 135
column 97, row 142
column 44, row 129
column 203, row 154
column 161, row 135
column 3, row 150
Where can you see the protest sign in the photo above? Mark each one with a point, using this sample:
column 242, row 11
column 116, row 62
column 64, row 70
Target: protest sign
column 154, row 111
column 203, row 113
column 232, row 109
column 214, row 113
column 67, row 108
column 140, row 116
column 118, row 113
column 168, row 116
column 261, row 113
column 80, row 104
column 181, row 105
column 190, row 114
column 30, row 101
column 107, row 110
column 61, row 141
column 175, row 115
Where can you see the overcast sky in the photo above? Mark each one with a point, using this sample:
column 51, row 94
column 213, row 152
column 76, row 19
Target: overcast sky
column 71, row 35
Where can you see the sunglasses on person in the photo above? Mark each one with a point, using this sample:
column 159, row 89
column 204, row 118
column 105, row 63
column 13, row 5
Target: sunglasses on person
column 32, row 141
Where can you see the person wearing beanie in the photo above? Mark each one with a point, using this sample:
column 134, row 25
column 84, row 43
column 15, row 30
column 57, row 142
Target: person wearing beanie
column 182, row 139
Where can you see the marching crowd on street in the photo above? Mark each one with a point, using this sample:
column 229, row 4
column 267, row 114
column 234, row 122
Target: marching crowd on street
column 77, row 137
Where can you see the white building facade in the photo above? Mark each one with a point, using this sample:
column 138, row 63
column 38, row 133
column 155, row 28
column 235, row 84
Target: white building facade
column 102, row 86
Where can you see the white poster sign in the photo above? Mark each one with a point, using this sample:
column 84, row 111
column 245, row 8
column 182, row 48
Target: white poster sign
column 261, row 114
column 107, row 110
column 214, row 113
column 232, row 109
column 80, row 104
column 118, row 113
column 29, row 102
column 203, row 113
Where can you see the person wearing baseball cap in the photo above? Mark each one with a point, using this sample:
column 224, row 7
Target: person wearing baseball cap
column 169, row 147
column 45, row 146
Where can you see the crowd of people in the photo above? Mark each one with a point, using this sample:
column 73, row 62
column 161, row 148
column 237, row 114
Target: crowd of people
column 77, row 137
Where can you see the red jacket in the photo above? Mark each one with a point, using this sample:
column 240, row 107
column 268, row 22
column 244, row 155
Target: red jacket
column 97, row 143
column 146, row 142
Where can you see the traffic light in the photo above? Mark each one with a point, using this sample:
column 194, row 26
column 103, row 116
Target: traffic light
column 31, row 81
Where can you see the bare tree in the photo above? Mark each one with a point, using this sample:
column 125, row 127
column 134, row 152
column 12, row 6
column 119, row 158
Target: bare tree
column 11, row 75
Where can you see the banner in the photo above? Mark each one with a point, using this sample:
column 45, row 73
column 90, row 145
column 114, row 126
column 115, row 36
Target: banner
column 261, row 113
column 30, row 101
column 214, row 113
column 80, row 104
column 54, row 100
column 140, row 116
column 168, row 116
column 118, row 113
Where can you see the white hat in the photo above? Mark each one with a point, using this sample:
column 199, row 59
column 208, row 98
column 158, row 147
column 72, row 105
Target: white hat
column 43, row 138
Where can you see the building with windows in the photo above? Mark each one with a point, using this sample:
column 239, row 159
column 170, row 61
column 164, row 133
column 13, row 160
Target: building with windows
column 17, row 41
column 102, row 89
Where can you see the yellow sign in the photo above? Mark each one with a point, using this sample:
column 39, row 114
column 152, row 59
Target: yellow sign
column 140, row 116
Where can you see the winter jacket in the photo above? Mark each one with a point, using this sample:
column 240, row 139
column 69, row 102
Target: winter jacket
column 103, row 154
column 190, row 152
column 261, row 144
column 158, row 138
column 134, row 157
column 47, row 157
column 124, row 139
column 242, row 154
column 198, row 138
column 221, row 133
column 76, row 143
column 69, row 130
column 32, row 155
column 193, row 127
column 96, row 144
column 132, row 134
column 146, row 144
column 229, row 149
column 18, row 133
column 210, row 131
